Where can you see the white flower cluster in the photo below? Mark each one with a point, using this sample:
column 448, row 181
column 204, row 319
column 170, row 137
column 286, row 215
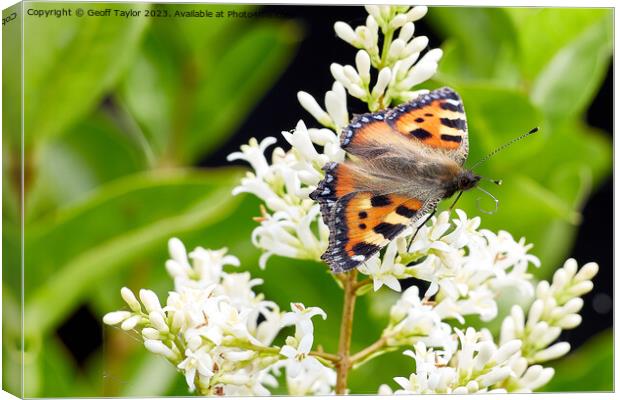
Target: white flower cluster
column 554, row 309
column 399, row 64
column 218, row 332
column 449, row 360
column 466, row 266
column 475, row 367
column 291, row 224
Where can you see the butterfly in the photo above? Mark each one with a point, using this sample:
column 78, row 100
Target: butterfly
column 402, row 162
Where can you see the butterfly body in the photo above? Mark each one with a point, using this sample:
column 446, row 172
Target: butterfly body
column 401, row 163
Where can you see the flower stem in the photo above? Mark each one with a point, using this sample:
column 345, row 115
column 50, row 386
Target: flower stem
column 368, row 352
column 360, row 284
column 387, row 41
column 346, row 330
column 326, row 356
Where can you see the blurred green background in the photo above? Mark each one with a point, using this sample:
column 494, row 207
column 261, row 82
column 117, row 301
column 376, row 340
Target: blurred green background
column 127, row 125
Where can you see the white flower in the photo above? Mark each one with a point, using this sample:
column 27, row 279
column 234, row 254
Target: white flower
column 158, row 347
column 130, row 323
column 527, row 379
column 198, row 362
column 429, row 377
column 297, row 356
column 384, row 271
column 253, row 153
column 131, row 300
column 316, row 380
column 305, row 375
column 291, row 224
column 413, row 321
column 301, row 317
column 150, row 300
column 336, row 116
column 116, row 317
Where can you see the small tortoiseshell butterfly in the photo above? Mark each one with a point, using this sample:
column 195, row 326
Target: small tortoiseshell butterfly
column 403, row 161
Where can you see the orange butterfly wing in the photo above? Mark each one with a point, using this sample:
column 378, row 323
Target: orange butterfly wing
column 362, row 221
column 437, row 120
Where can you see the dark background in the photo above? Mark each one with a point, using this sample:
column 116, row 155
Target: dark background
column 309, row 71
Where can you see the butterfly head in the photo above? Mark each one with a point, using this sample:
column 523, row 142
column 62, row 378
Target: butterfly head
column 466, row 180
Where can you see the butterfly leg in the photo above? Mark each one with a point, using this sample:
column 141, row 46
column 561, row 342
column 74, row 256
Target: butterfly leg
column 420, row 226
column 454, row 202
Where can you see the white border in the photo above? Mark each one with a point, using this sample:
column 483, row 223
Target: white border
column 524, row 3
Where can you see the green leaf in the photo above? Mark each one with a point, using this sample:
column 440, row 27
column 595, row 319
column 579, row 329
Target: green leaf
column 542, row 32
column 589, row 368
column 124, row 363
column 265, row 49
column 153, row 376
column 483, row 43
column 127, row 222
column 11, row 337
column 92, row 152
column 568, row 83
column 11, row 256
column 495, row 116
column 67, row 73
column 191, row 102
column 59, row 376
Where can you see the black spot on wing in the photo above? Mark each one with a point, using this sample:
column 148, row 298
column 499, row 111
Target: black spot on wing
column 365, row 249
column 389, row 231
column 362, row 214
column 452, row 107
column 451, row 138
column 405, row 211
column 457, row 123
column 380, row 201
column 336, row 255
column 422, row 101
column 421, row 133
column 446, row 93
column 419, row 120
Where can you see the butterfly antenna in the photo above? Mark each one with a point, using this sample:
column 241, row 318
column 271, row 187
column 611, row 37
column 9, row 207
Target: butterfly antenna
column 498, row 182
column 494, row 199
column 504, row 146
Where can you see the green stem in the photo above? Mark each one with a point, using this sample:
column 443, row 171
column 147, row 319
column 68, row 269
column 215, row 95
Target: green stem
column 326, row 359
column 387, row 41
column 366, row 353
column 359, row 285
